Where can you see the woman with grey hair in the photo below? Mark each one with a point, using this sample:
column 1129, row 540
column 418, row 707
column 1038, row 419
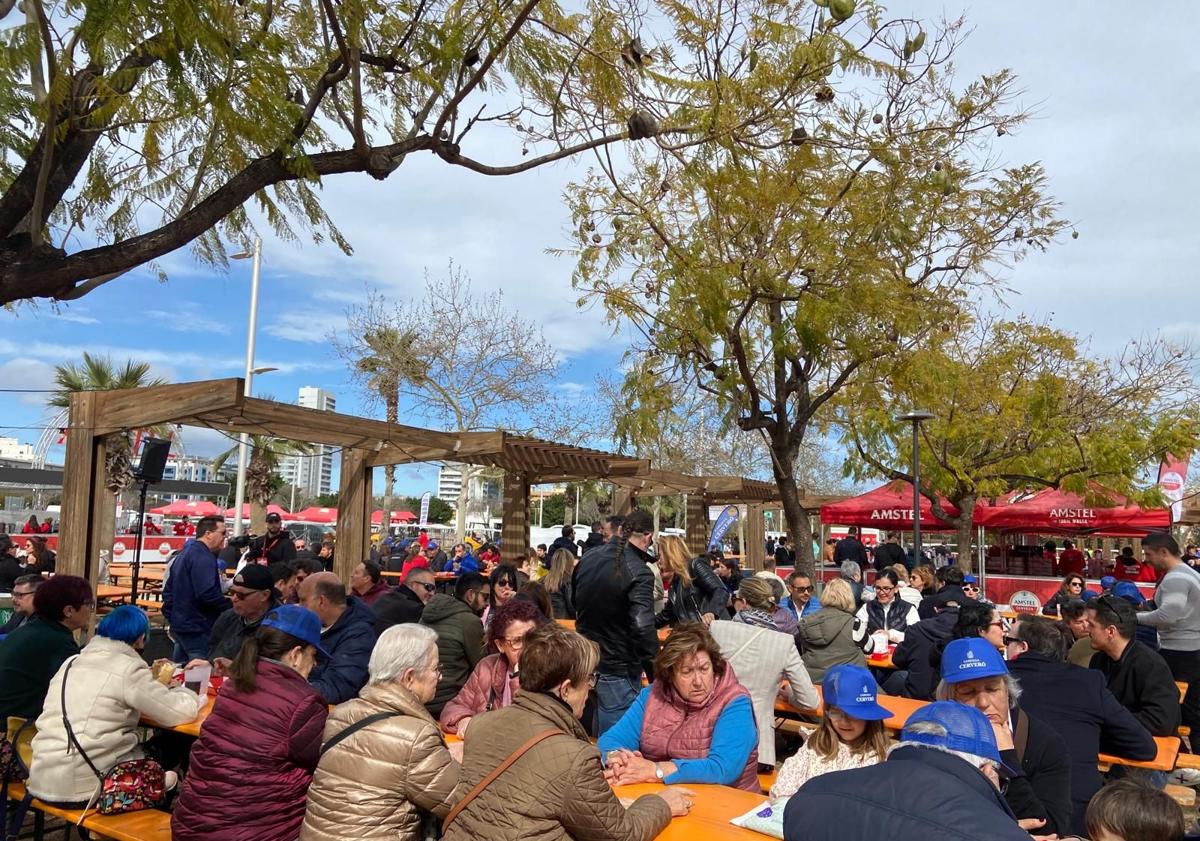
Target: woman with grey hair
column 974, row 673
column 385, row 768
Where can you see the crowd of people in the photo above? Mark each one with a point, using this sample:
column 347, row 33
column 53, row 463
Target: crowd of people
column 372, row 710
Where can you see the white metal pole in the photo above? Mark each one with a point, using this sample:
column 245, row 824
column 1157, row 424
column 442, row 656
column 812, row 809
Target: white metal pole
column 244, row 443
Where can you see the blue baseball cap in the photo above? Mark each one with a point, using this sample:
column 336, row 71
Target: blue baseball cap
column 1128, row 591
column 1107, row 582
column 968, row 659
column 298, row 621
column 967, row 730
column 852, row 690
column 970, row 579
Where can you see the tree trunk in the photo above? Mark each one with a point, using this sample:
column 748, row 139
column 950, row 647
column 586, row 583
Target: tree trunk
column 799, row 530
column 965, row 524
column 392, row 403
column 464, row 494
column 656, row 511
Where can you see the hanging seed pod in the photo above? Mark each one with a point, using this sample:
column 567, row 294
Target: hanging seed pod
column 919, row 41
column 472, row 57
column 937, row 167
column 298, row 96
column 799, row 136
column 634, row 54
column 1074, row 234
column 596, row 238
column 824, row 4
column 641, row 125
column 877, row 119
column 909, row 52
column 824, row 94
column 1018, row 233
column 1000, row 132
column 841, row 9
column 753, row 60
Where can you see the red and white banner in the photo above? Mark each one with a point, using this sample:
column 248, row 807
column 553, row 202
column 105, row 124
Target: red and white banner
column 1172, row 473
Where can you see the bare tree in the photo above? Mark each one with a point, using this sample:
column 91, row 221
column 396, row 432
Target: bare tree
column 466, row 363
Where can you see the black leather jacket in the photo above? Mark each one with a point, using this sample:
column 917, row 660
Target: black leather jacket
column 707, row 594
column 614, row 607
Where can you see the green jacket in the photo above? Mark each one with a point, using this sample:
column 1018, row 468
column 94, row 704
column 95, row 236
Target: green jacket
column 460, row 645
column 29, row 657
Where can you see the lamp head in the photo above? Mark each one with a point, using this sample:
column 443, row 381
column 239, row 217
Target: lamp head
column 916, row 416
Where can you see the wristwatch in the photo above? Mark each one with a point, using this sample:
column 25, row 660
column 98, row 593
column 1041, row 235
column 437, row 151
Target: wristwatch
column 658, row 772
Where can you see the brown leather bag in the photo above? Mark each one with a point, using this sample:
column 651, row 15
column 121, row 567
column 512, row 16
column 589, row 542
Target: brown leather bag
column 496, row 772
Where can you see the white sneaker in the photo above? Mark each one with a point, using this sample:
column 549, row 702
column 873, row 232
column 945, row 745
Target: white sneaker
column 1185, row 777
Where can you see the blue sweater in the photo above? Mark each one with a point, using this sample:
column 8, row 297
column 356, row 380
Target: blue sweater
column 192, row 597
column 734, row 736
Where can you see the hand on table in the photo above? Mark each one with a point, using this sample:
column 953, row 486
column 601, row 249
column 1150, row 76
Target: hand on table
column 679, row 799
column 614, row 763
column 635, row 769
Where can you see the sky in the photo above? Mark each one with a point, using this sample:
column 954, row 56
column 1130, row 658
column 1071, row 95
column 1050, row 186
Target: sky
column 1112, row 87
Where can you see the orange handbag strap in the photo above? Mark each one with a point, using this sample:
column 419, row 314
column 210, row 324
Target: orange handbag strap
column 496, row 772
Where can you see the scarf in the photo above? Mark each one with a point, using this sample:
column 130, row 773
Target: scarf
column 756, row 617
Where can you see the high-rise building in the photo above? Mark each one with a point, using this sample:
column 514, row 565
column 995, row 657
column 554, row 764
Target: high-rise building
column 11, row 449
column 312, row 473
column 484, row 494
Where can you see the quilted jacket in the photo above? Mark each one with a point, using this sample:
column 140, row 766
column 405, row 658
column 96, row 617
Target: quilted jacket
column 827, row 638
column 555, row 792
column 380, row 781
column 108, row 689
column 252, row 765
column 482, row 692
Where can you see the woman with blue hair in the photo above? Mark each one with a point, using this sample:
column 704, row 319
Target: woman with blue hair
column 102, row 693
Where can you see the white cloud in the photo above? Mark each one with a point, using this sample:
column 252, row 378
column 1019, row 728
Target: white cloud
column 26, row 373
column 219, row 365
column 74, row 318
column 307, row 325
column 187, row 319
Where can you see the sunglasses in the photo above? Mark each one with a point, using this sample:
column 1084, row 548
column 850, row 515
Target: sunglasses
column 803, row 589
column 429, row 588
column 1010, row 640
column 243, row 594
column 974, row 587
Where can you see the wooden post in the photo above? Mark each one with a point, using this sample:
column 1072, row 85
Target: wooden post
column 622, row 504
column 755, row 549
column 514, row 531
column 80, row 527
column 696, row 531
column 354, row 513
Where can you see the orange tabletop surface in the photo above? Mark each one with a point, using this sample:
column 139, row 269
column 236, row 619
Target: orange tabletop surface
column 190, row 728
column 712, row 809
column 111, row 593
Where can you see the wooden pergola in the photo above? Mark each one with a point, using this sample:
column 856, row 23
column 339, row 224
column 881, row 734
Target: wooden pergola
column 366, row 444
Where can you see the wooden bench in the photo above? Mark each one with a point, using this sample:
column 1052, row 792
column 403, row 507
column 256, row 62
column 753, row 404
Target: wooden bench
column 148, row 825
column 1182, row 795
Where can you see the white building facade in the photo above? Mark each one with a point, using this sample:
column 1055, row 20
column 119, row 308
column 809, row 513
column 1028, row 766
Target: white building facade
column 313, row 473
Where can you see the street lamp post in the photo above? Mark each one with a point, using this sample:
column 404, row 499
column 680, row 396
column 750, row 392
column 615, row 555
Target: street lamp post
column 915, row 417
column 244, row 440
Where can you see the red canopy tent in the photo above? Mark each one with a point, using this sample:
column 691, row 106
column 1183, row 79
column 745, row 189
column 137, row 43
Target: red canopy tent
column 397, row 517
column 312, row 514
column 1053, row 510
column 202, row 508
column 885, row 507
column 271, row 509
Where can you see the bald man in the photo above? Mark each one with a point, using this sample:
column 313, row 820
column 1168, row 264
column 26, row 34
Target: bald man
column 347, row 633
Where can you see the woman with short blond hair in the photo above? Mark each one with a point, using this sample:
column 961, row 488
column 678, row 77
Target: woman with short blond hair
column 827, row 637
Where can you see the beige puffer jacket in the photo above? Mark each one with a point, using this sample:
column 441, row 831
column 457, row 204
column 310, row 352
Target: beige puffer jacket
column 381, row 780
column 555, row 792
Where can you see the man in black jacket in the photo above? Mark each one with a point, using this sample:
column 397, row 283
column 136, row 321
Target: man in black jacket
column 1077, row 704
column 850, row 548
column 889, row 553
column 614, row 607
column 253, row 595
column 974, row 673
column 949, row 594
column 921, row 654
column 276, row 545
column 1137, row 676
column 595, row 537
column 406, row 602
column 566, row 541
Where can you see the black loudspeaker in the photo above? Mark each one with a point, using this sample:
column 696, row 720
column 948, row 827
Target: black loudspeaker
column 153, row 461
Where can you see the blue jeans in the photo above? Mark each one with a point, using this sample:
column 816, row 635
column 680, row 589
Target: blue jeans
column 189, row 646
column 614, row 695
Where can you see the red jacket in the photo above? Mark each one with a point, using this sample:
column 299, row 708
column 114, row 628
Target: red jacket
column 416, row 562
column 250, row 768
column 1135, row 572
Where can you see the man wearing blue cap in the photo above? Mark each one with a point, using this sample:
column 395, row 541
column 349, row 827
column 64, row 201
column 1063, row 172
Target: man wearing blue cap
column 974, row 673
column 941, row 782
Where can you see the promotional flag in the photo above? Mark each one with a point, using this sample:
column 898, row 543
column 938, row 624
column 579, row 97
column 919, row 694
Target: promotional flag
column 1171, row 475
column 425, row 497
column 726, row 519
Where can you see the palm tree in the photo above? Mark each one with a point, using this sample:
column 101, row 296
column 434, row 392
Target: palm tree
column 98, row 373
column 266, row 457
column 389, row 362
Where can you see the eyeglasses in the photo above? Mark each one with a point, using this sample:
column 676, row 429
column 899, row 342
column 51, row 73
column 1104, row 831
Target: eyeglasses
column 515, row 642
column 243, row 594
column 884, row 589
column 592, row 680
column 17, row 595
column 997, row 624
column 1010, row 640
column 807, row 589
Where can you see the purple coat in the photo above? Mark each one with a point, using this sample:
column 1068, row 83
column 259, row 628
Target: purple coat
column 250, row 769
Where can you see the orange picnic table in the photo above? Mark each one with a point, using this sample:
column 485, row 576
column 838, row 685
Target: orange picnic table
column 712, row 809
